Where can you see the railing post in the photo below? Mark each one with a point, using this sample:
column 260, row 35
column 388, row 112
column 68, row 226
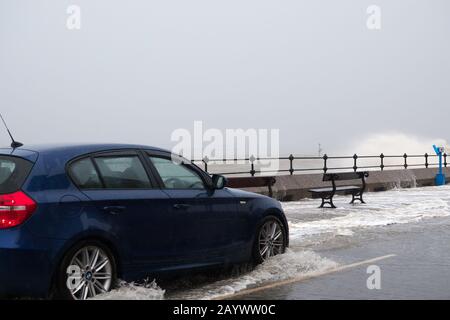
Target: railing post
column 426, row 160
column 252, row 170
column 355, row 157
column 325, row 158
column 205, row 161
column 405, row 156
column 291, row 166
column 445, row 160
column 382, row 162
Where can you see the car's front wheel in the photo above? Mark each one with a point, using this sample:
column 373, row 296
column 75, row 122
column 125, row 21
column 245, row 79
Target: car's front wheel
column 87, row 270
column 270, row 239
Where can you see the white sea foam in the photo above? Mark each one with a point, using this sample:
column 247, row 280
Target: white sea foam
column 391, row 207
column 395, row 143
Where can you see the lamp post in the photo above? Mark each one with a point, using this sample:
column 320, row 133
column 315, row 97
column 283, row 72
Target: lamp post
column 440, row 177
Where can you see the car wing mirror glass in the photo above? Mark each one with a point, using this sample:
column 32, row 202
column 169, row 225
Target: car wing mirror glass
column 219, row 181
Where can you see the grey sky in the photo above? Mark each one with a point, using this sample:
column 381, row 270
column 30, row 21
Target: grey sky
column 137, row 70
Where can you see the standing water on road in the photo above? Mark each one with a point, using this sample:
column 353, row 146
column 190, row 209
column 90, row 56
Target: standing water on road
column 313, row 231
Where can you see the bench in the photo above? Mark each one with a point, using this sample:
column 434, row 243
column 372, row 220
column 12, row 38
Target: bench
column 252, row 182
column 327, row 193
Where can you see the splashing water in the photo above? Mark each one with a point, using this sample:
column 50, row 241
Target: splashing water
column 396, row 143
column 306, row 221
column 398, row 206
column 132, row 291
column 289, row 265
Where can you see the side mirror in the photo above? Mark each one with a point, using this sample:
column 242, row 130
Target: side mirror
column 219, row 182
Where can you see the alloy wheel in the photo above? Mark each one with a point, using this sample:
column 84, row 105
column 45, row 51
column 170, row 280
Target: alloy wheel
column 89, row 273
column 271, row 239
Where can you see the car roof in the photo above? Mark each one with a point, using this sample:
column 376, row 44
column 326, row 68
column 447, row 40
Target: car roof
column 71, row 150
column 86, row 147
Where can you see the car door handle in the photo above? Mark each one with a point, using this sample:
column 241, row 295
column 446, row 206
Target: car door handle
column 114, row 209
column 181, row 206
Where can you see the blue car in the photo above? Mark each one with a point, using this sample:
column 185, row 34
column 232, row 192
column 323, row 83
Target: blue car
column 75, row 218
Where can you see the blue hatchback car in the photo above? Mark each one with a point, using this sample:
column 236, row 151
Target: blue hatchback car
column 74, row 219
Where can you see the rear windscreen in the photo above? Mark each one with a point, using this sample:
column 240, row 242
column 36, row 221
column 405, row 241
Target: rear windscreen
column 13, row 172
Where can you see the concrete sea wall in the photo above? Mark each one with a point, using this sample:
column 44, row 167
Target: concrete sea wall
column 295, row 187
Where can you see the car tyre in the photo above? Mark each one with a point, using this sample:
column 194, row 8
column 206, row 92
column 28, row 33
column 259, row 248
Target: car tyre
column 270, row 239
column 87, row 270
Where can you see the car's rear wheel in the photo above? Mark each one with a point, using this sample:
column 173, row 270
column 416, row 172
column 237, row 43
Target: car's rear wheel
column 86, row 271
column 270, row 239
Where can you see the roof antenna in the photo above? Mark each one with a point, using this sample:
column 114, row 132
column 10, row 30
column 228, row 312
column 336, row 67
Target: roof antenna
column 14, row 144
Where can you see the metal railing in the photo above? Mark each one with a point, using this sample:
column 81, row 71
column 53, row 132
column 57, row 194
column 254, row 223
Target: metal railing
column 249, row 166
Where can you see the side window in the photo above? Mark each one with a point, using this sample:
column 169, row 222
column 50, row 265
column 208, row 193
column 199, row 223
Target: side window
column 84, row 174
column 122, row 172
column 177, row 176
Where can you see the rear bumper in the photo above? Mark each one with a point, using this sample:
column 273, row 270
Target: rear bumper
column 25, row 264
column 24, row 273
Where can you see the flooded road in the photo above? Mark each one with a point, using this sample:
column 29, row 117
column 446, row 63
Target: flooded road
column 419, row 268
column 412, row 224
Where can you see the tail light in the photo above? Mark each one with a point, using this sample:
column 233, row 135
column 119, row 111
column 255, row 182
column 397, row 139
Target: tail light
column 15, row 208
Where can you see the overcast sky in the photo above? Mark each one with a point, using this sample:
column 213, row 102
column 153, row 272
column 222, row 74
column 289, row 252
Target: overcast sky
column 137, row 70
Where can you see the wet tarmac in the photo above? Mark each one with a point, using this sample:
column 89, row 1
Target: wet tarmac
column 331, row 250
column 420, row 269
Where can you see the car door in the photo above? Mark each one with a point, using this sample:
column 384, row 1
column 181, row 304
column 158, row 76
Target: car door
column 203, row 218
column 129, row 204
